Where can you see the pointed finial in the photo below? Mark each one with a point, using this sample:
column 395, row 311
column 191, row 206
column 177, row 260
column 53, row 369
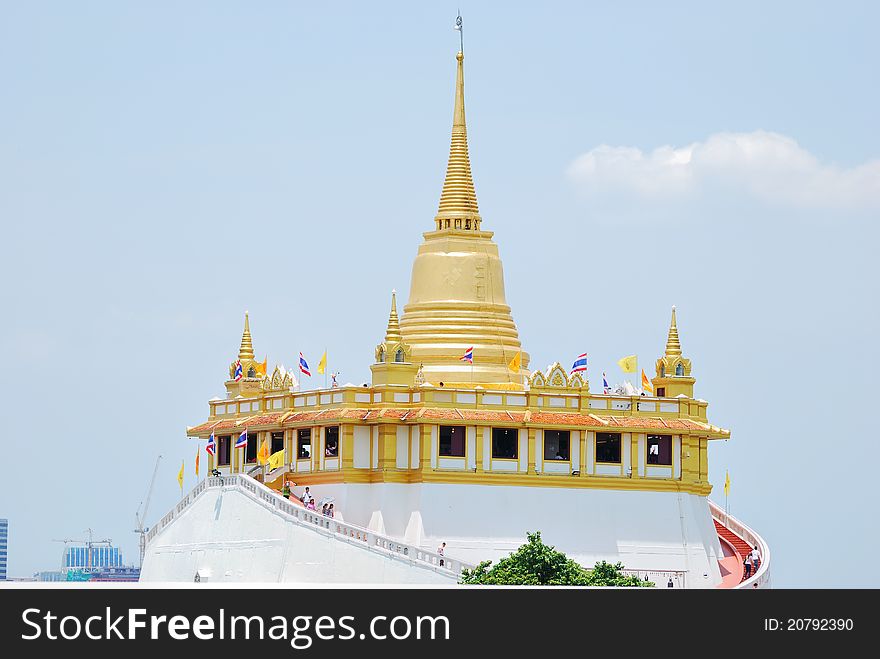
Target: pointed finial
column 458, row 200
column 247, row 347
column 392, row 334
column 673, row 346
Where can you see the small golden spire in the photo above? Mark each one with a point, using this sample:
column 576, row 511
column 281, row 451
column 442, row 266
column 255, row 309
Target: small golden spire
column 673, row 346
column 247, row 347
column 458, row 201
column 392, row 334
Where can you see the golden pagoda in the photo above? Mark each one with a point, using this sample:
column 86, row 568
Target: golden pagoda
column 673, row 370
column 456, row 296
column 252, row 371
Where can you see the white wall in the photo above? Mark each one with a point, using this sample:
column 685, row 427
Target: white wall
column 402, row 454
column 246, row 542
column 644, row 530
column 229, row 537
column 361, row 457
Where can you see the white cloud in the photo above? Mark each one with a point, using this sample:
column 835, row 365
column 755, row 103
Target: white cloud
column 761, row 165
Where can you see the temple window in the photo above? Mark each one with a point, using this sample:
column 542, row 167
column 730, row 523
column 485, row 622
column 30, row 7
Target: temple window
column 556, row 444
column 505, row 443
column 277, row 441
column 331, row 441
column 608, row 447
column 447, row 223
column 467, row 224
column 223, row 451
column 662, row 371
column 381, row 355
column 303, row 443
column 660, row 450
column 251, row 372
column 250, row 452
column 458, row 224
column 452, row 441
column 398, row 356
column 679, row 369
column 661, row 392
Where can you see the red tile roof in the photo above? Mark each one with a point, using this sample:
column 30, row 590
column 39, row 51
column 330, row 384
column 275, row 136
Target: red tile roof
column 270, row 419
column 208, row 426
column 405, row 414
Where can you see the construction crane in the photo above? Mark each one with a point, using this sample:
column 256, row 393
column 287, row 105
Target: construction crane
column 141, row 516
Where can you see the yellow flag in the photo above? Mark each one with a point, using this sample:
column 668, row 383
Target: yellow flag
column 322, row 365
column 276, row 460
column 516, row 363
column 261, row 368
column 628, row 364
column 726, row 483
column 263, row 453
column 646, row 383
column 198, row 452
column 180, row 475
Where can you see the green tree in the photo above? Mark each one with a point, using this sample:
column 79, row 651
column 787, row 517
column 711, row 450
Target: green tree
column 537, row 564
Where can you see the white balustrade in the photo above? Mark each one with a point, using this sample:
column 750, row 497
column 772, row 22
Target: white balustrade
column 660, row 578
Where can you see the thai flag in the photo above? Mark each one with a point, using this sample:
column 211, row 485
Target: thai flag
column 580, row 364
column 605, row 386
column 210, row 446
column 241, row 442
column 468, row 355
column 237, row 375
column 303, row 365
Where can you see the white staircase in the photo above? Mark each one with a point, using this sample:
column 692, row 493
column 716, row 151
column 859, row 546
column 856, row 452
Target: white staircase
column 296, row 514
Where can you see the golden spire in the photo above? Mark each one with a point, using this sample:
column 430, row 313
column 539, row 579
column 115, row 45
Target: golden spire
column 392, row 334
column 673, row 347
column 458, row 201
column 247, row 347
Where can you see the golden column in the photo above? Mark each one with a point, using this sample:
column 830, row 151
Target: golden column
column 456, row 296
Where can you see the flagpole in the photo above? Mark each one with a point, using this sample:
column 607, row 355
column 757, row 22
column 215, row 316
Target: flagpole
column 325, row 367
column 726, row 492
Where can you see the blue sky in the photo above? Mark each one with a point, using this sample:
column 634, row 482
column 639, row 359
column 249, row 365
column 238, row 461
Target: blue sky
column 165, row 166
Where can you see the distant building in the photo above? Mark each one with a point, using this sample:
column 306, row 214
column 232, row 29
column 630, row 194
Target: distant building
column 92, row 557
column 49, row 575
column 95, row 561
column 4, row 542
